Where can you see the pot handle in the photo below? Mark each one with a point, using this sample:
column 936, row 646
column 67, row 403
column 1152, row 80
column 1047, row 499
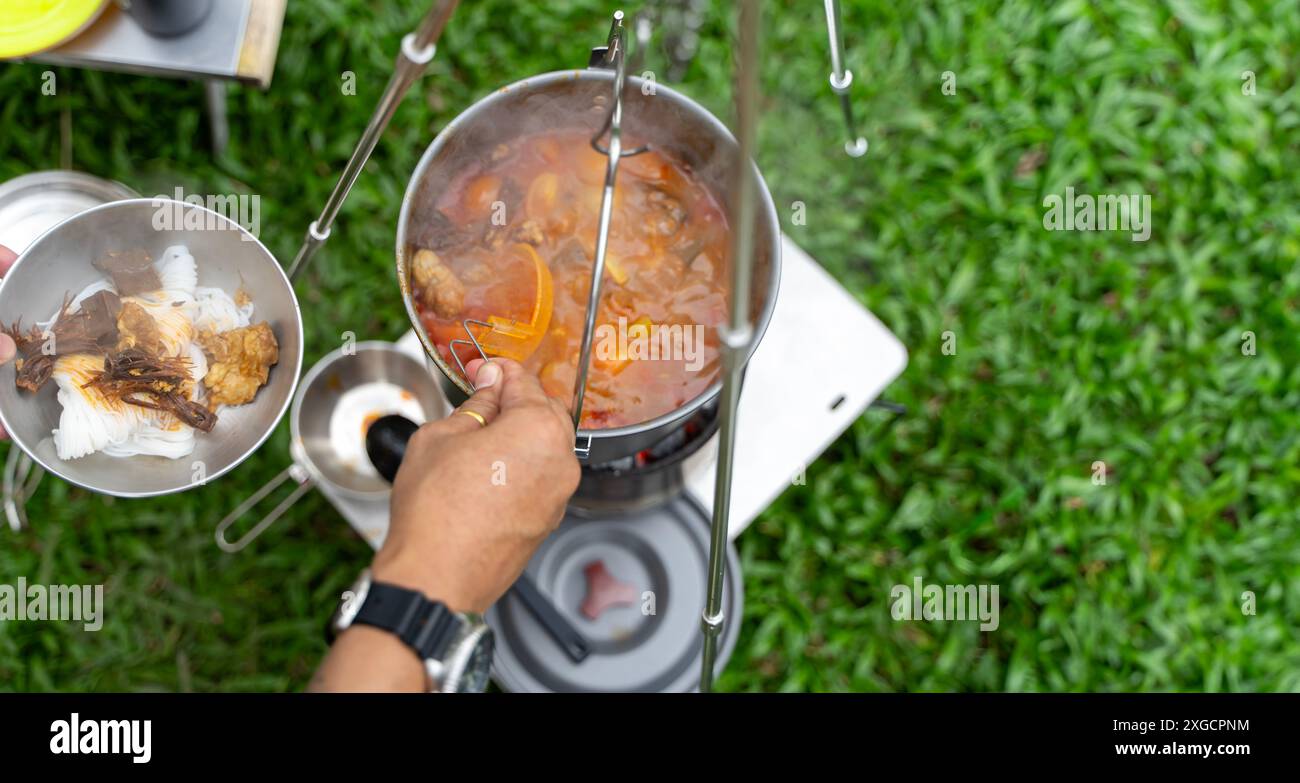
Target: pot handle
column 295, row 472
column 22, row 476
column 386, row 441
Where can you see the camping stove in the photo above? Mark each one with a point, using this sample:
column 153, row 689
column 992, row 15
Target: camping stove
column 627, row 566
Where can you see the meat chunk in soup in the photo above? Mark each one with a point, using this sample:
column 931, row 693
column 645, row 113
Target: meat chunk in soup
column 440, row 289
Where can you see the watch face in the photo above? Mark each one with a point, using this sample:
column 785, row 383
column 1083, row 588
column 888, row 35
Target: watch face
column 469, row 663
column 479, row 668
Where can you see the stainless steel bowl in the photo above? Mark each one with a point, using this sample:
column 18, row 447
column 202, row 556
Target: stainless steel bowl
column 59, row 262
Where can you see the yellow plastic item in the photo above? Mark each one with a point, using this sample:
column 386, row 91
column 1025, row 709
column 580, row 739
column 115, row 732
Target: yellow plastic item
column 614, row 265
column 31, row 26
column 618, row 363
column 513, row 338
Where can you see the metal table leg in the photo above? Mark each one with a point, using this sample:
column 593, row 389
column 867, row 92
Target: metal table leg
column 214, row 93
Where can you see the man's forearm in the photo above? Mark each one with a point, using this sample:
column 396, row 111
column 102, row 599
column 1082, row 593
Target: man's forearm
column 369, row 660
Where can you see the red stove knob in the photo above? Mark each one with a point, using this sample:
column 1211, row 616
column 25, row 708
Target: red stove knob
column 604, row 590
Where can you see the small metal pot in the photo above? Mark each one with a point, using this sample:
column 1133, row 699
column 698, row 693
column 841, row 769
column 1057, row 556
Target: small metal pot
column 315, row 460
column 578, row 100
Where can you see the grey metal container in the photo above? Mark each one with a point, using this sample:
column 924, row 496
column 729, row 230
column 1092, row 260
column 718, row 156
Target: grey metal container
column 578, row 100
column 228, row 257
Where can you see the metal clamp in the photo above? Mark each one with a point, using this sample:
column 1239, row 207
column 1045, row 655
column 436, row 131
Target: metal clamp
column 583, row 451
column 471, row 341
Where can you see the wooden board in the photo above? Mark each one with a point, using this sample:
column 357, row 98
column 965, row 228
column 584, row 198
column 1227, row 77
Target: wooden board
column 261, row 42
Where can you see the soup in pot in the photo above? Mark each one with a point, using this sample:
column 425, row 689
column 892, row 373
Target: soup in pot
column 511, row 245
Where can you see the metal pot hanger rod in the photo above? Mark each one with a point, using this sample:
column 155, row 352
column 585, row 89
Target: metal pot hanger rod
column 738, row 335
column 417, row 51
column 842, row 79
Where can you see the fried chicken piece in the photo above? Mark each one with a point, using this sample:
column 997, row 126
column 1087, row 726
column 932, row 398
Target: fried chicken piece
column 239, row 362
column 137, row 329
column 436, row 285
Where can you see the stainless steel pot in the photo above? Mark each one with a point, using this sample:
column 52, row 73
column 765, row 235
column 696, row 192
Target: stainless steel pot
column 578, row 100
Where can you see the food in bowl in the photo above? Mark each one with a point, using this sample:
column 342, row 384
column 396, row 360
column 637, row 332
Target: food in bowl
column 145, row 357
column 510, row 249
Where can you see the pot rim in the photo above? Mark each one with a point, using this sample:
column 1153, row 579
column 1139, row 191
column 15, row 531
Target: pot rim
column 540, row 81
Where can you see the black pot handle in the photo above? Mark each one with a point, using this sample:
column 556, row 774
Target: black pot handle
column 386, row 443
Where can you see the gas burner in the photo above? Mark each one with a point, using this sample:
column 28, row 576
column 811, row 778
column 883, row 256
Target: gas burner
column 633, row 586
column 647, row 478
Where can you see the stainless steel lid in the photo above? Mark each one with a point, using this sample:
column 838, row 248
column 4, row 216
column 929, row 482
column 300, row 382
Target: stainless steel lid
column 33, row 203
column 634, row 586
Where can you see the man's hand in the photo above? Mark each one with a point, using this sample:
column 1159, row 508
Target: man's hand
column 7, row 347
column 472, row 502
column 470, row 505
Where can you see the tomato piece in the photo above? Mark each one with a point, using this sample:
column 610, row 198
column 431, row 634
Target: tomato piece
column 542, row 195
column 480, row 193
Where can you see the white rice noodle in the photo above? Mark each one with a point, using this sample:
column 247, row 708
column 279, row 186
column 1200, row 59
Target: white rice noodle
column 90, row 421
column 160, row 435
column 215, row 311
column 198, row 369
column 177, row 270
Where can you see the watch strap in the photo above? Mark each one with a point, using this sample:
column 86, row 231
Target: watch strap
column 428, row 627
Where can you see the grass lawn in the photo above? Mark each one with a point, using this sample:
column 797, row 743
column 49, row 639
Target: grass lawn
column 1071, row 347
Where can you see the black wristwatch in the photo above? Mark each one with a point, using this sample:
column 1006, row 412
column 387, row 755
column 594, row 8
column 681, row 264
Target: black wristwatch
column 456, row 648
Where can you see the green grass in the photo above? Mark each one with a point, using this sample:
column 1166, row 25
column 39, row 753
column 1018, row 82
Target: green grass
column 1071, row 347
